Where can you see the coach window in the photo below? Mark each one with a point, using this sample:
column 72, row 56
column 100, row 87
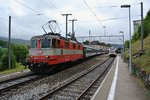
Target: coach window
column 58, row 43
column 66, row 45
column 53, row 43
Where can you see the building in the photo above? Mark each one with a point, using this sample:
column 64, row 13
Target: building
column 136, row 24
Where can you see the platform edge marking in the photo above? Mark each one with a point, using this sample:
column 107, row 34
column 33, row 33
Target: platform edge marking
column 111, row 95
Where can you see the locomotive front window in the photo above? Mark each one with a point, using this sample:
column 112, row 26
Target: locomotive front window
column 45, row 43
column 34, row 43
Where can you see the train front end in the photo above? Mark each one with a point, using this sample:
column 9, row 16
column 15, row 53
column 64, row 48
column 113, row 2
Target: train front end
column 39, row 53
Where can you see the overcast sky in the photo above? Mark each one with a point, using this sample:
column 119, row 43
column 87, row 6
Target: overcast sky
column 90, row 14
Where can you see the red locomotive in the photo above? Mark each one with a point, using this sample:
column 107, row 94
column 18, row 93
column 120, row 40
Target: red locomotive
column 52, row 49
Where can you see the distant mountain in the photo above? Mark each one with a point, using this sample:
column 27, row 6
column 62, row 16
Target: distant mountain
column 117, row 45
column 16, row 41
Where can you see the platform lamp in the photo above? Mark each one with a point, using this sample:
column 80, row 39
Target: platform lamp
column 130, row 52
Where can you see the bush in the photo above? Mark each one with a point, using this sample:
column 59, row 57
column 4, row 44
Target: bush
column 4, row 63
column 127, row 44
column 20, row 52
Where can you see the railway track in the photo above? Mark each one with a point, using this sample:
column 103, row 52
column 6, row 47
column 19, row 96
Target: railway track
column 82, row 86
column 16, row 82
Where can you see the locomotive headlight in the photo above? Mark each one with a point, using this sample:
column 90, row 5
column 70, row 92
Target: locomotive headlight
column 47, row 56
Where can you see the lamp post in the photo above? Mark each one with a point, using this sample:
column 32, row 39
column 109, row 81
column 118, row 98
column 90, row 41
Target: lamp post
column 130, row 52
column 122, row 43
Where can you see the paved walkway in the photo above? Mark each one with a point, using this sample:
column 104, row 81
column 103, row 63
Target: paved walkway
column 119, row 85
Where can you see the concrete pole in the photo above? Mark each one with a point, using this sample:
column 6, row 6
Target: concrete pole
column 9, row 44
column 66, row 22
column 130, row 59
column 123, row 45
column 104, row 30
column 142, row 28
column 73, row 32
column 89, row 36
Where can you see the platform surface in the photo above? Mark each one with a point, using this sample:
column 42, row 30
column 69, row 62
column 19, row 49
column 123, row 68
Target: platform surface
column 120, row 85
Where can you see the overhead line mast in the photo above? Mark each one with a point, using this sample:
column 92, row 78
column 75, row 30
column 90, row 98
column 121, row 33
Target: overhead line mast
column 66, row 22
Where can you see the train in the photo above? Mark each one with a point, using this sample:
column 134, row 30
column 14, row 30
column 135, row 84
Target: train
column 112, row 52
column 51, row 49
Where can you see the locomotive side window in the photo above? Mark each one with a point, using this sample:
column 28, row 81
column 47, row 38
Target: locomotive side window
column 45, row 43
column 58, row 43
column 78, row 46
column 66, row 45
column 33, row 43
column 54, row 43
column 74, row 46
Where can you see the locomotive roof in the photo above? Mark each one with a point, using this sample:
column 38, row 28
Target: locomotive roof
column 90, row 47
column 54, row 36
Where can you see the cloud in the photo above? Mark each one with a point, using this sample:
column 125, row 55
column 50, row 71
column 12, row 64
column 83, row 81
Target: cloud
column 30, row 24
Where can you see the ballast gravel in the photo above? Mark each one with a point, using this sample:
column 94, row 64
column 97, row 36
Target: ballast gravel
column 39, row 88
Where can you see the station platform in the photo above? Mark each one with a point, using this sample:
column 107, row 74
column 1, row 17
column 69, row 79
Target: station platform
column 120, row 85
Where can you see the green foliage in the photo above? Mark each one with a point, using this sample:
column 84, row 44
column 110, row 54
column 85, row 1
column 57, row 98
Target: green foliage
column 86, row 42
column 1, row 54
column 127, row 44
column 147, row 24
column 137, row 34
column 20, row 52
column 109, row 45
column 135, row 37
column 3, row 44
column 4, row 65
column 19, row 67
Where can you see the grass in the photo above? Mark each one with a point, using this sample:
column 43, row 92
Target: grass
column 148, row 93
column 17, row 69
column 144, row 60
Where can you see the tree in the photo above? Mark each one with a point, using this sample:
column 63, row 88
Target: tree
column 127, row 44
column 137, row 34
column 3, row 44
column 86, row 42
column 108, row 44
column 1, row 53
column 5, row 61
column 147, row 24
column 21, row 52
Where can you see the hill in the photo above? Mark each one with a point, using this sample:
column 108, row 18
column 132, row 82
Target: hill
column 142, row 61
column 16, row 41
